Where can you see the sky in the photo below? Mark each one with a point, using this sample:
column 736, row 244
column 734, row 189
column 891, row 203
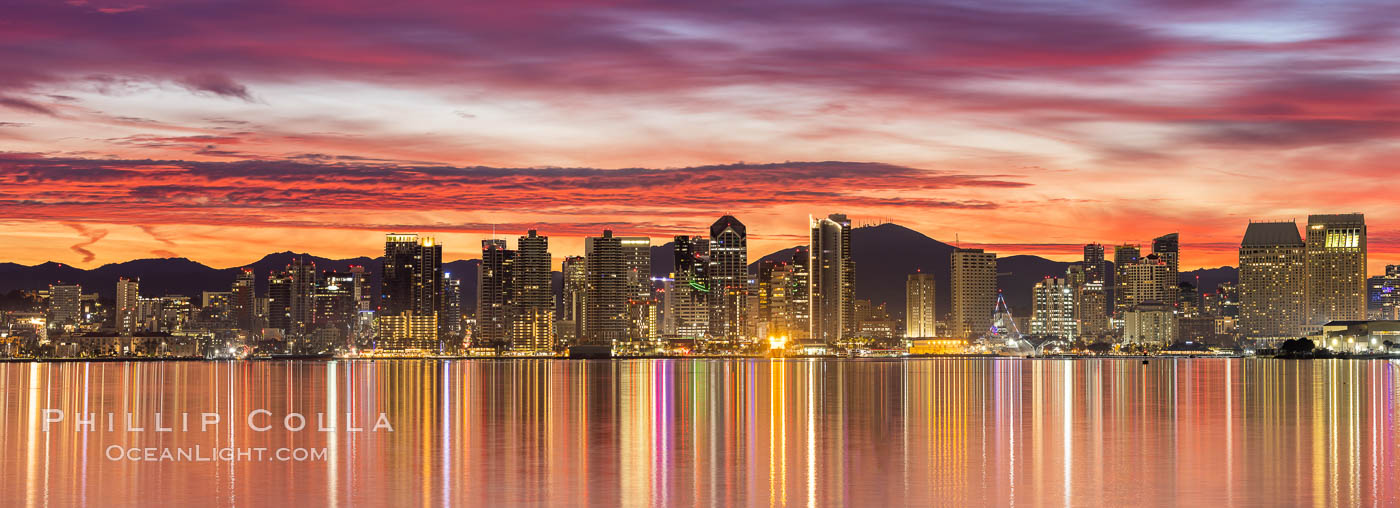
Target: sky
column 222, row 131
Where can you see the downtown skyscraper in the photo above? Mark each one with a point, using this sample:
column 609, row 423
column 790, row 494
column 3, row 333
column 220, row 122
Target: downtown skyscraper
column 411, row 299
column 1336, row 268
column 920, row 320
column 832, row 280
column 128, row 301
column 1273, row 281
column 494, row 289
column 974, row 292
column 728, row 280
column 605, row 296
column 687, row 299
column 532, row 308
column 1123, row 256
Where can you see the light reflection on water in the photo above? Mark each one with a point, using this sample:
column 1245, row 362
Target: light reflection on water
column 720, row 432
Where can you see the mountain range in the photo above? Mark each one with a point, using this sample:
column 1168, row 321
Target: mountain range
column 884, row 256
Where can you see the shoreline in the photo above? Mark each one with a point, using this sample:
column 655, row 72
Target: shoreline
column 754, row 357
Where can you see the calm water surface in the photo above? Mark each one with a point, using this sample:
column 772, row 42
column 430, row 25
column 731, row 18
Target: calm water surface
column 714, row 432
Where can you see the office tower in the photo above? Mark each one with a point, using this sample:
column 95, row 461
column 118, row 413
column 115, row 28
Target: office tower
column 1336, row 268
column 1383, row 295
column 412, row 290
column 242, row 295
column 636, row 259
column 1149, row 324
column 279, row 304
column 920, row 320
column 335, row 311
column 1052, row 309
column 832, row 280
column 974, row 292
column 451, row 322
column 729, row 280
column 493, row 294
column 688, row 297
column 1123, row 256
column 1272, row 285
column 605, row 296
column 361, row 290
column 575, row 280
column 128, row 294
column 1167, row 248
column 532, row 316
column 65, row 307
column 1146, row 281
column 302, row 306
column 1095, row 269
column 773, row 292
column 799, row 302
column 1092, row 307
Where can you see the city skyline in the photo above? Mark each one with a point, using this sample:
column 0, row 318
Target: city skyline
column 1029, row 128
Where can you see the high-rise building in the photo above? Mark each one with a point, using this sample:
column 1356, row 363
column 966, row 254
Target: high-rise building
column 493, row 294
column 128, row 296
column 243, row 293
column 532, row 317
column 301, row 308
column 920, row 320
column 412, row 288
column 636, row 260
column 1092, row 305
column 771, row 297
column 279, row 300
column 65, row 305
column 832, row 280
column 799, row 302
column 687, row 305
column 1336, row 268
column 605, row 313
column 1052, row 309
column 1123, row 256
column 1147, row 281
column 575, row 279
column 1383, row 295
column 1272, row 285
column 729, row 280
column 451, row 325
column 1095, row 269
column 974, row 292
column 335, row 310
column 1167, row 248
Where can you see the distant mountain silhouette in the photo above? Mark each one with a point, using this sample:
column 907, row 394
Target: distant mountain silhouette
column 884, row 255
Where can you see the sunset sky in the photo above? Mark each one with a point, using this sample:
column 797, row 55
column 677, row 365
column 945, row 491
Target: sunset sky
column 222, row 131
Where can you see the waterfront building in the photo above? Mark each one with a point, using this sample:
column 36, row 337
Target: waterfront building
column 1336, row 268
column 974, row 292
column 1052, row 309
column 128, row 295
column 1272, row 281
column 493, row 294
column 605, row 314
column 532, row 316
column 411, row 278
column 831, row 288
column 920, row 309
column 242, row 295
column 729, row 280
column 1150, row 325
